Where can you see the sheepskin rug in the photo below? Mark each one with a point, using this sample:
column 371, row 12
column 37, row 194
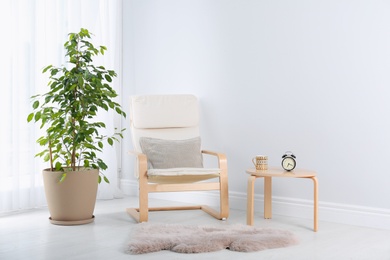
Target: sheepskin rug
column 149, row 238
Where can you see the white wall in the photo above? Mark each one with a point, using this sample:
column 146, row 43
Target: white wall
column 308, row 76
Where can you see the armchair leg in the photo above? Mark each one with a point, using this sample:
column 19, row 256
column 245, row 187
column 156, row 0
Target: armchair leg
column 223, row 188
column 224, row 199
column 141, row 214
column 134, row 213
column 143, row 199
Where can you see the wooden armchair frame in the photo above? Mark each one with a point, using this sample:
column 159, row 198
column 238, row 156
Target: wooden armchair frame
column 147, row 186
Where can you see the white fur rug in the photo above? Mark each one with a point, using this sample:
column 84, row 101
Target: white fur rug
column 197, row 239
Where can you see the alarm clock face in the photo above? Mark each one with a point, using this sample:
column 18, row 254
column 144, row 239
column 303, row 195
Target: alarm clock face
column 288, row 163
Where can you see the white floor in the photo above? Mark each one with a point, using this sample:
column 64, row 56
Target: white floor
column 29, row 235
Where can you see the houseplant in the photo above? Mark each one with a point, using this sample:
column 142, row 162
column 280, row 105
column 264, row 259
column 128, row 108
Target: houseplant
column 68, row 114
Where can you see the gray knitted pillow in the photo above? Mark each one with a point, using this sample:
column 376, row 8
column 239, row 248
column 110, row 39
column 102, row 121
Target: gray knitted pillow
column 164, row 154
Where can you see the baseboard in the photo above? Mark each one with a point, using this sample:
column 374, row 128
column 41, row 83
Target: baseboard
column 292, row 207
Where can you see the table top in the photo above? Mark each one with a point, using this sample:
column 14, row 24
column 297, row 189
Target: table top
column 280, row 172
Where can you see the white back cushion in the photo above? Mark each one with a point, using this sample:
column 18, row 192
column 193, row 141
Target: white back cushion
column 164, row 111
column 170, row 117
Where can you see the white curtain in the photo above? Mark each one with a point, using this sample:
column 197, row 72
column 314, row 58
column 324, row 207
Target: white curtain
column 32, row 37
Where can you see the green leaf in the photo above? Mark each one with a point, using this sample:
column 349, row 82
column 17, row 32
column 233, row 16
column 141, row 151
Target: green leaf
column 30, row 117
column 37, row 116
column 106, row 180
column 45, row 69
column 102, row 49
column 63, row 176
column 81, row 81
column 86, row 163
column 105, row 107
column 110, row 141
column 42, row 141
column 58, row 166
column 100, row 144
column 47, row 157
column 36, row 104
column 112, row 73
column 53, row 72
column 53, row 85
column 102, row 165
column 108, row 78
column 89, row 146
column 118, row 110
column 47, row 99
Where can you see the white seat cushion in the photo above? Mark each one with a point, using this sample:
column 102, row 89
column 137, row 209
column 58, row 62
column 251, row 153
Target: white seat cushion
column 183, row 171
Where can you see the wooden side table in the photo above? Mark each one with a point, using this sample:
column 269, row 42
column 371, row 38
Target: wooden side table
column 267, row 175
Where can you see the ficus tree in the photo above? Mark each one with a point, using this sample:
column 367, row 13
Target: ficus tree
column 68, row 111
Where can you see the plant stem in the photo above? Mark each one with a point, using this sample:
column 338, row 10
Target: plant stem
column 50, row 156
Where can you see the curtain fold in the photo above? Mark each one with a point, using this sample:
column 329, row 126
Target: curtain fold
column 33, row 33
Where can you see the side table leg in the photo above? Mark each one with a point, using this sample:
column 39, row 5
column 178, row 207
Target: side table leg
column 267, row 197
column 250, row 200
column 315, row 203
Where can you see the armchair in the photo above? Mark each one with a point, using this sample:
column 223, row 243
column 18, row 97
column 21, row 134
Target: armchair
column 167, row 146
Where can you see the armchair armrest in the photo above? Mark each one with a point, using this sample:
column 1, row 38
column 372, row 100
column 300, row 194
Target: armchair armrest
column 219, row 155
column 222, row 161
